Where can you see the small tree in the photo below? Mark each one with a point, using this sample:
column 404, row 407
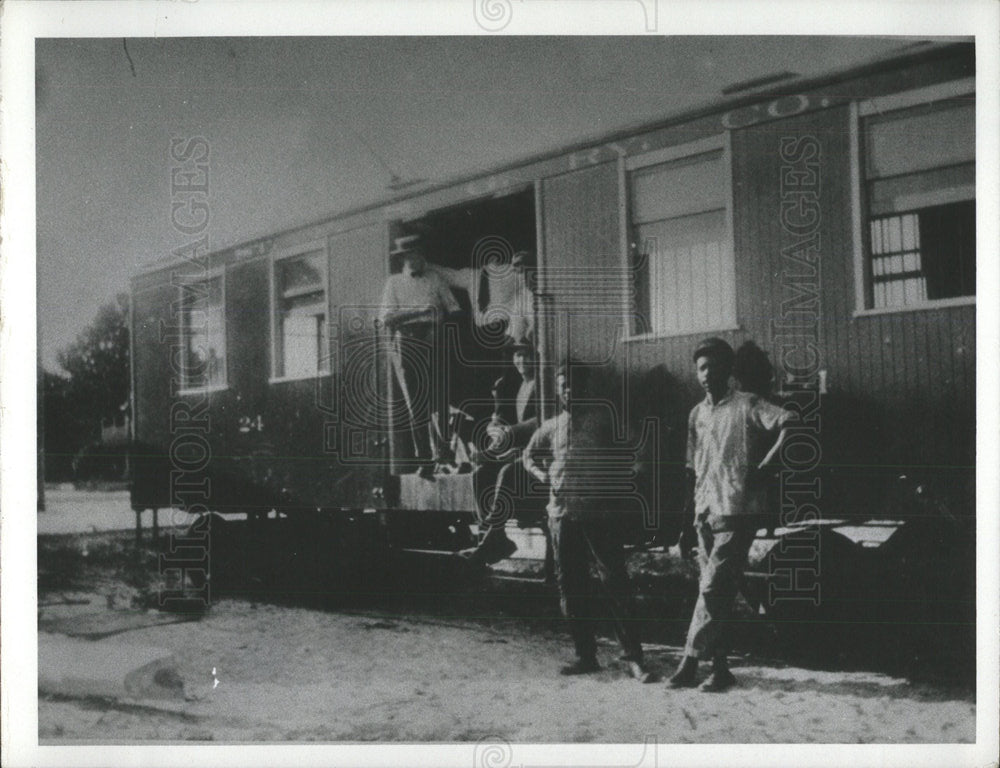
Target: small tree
column 64, row 433
column 98, row 365
column 95, row 387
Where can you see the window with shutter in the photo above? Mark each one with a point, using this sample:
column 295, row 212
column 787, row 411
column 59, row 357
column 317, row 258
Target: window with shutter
column 682, row 258
column 918, row 187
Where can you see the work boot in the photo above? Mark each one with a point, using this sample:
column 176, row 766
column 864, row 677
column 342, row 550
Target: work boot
column 720, row 680
column 500, row 548
column 581, row 667
column 494, row 547
column 686, row 674
column 639, row 671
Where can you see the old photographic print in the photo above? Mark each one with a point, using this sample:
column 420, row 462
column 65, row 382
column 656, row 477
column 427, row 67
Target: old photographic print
column 493, row 389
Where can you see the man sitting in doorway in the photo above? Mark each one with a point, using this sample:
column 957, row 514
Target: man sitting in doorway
column 501, row 482
column 415, row 304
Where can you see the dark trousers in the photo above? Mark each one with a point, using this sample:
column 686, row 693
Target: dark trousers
column 500, row 488
column 576, row 543
column 502, row 493
column 422, row 370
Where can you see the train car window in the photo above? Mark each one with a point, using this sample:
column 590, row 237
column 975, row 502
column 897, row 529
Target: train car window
column 920, row 189
column 204, row 332
column 301, row 334
column 682, row 254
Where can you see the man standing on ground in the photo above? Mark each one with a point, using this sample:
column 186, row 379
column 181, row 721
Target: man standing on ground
column 415, row 304
column 584, row 523
column 730, row 442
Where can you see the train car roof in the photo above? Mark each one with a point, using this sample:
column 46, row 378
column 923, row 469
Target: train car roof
column 910, row 54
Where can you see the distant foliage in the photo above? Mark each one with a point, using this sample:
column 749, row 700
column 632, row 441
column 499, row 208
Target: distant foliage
column 94, row 388
column 97, row 362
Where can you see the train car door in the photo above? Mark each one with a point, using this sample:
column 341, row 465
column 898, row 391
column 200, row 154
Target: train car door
column 585, row 293
column 582, row 269
column 356, row 417
column 250, row 440
column 485, row 250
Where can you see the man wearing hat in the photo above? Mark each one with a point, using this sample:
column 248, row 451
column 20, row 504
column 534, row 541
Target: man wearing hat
column 500, row 482
column 415, row 304
column 731, row 439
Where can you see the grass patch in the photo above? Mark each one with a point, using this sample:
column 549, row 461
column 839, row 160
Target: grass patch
column 127, row 572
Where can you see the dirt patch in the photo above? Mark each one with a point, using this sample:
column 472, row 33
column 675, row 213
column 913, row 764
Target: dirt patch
column 439, row 658
column 279, row 673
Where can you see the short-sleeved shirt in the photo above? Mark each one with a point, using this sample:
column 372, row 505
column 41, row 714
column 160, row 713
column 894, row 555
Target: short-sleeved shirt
column 725, row 440
column 577, row 445
column 427, row 290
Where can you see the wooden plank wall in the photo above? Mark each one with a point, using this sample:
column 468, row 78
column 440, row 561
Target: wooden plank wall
column 150, row 312
column 267, row 436
column 583, row 274
column 901, row 385
column 901, row 394
column 583, row 262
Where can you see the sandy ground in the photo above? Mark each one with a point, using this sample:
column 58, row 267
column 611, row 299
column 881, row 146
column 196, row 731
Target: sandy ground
column 302, row 675
column 289, row 673
column 71, row 511
column 296, row 674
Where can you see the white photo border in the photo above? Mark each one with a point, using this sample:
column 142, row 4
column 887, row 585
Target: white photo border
column 23, row 21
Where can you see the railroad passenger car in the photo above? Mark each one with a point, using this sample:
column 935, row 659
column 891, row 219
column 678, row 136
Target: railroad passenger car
column 830, row 220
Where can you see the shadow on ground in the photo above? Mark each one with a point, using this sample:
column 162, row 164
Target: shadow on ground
column 309, row 572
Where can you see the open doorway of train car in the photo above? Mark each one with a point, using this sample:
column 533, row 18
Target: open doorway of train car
column 485, row 250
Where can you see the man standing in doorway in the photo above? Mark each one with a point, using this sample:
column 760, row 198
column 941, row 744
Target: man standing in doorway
column 415, row 304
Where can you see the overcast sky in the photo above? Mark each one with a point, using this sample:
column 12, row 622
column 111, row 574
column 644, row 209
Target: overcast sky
column 301, row 128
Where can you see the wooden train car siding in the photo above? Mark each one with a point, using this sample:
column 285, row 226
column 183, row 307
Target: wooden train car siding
column 927, row 64
column 248, row 332
column 150, row 313
column 885, row 372
column 583, row 263
column 356, row 418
